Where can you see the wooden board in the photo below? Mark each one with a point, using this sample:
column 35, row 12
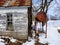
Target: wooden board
column 2, row 22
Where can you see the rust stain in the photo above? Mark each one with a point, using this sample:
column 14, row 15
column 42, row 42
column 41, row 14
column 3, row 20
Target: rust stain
column 16, row 2
column 2, row 2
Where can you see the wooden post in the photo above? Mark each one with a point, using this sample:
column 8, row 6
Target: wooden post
column 29, row 21
column 46, row 30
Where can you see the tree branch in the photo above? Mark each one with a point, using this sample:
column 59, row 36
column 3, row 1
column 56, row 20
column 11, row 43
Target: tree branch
column 48, row 4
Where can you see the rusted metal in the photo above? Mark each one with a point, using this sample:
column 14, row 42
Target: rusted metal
column 2, row 2
column 15, row 3
column 41, row 16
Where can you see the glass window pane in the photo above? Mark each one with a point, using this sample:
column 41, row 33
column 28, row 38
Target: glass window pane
column 9, row 22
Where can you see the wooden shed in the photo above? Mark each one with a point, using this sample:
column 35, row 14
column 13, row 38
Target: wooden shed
column 15, row 18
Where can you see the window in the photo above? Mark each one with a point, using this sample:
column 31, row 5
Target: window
column 9, row 22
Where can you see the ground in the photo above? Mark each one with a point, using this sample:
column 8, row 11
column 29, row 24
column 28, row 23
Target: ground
column 53, row 36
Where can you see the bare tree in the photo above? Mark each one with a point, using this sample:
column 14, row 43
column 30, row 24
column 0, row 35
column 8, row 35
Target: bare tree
column 43, row 6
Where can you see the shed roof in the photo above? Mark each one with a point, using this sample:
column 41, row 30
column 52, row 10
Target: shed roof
column 15, row 3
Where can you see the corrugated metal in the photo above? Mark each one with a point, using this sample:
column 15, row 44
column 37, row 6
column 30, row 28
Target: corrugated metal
column 15, row 3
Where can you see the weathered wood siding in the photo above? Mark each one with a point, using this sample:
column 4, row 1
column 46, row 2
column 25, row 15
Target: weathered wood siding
column 20, row 23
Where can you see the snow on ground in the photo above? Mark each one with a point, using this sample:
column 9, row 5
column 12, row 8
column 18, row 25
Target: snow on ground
column 29, row 43
column 2, row 42
column 53, row 34
column 12, row 39
column 53, row 37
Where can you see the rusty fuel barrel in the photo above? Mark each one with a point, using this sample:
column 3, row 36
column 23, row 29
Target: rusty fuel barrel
column 41, row 16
